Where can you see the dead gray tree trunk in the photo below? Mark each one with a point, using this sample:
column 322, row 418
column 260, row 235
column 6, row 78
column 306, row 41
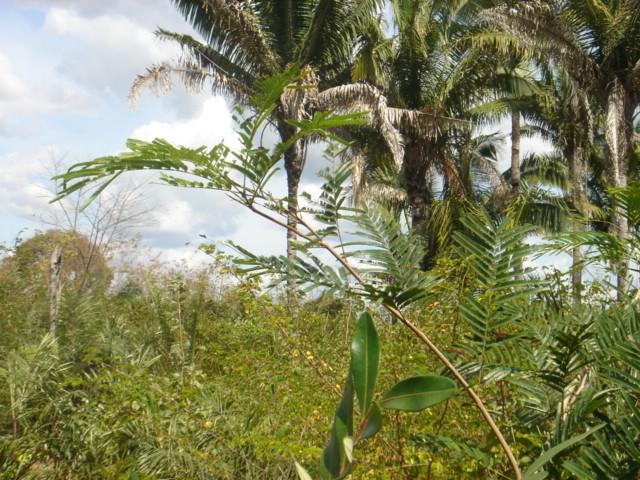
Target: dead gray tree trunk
column 55, row 288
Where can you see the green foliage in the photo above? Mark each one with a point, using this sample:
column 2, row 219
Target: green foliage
column 411, row 395
column 545, row 369
column 385, row 257
column 365, row 358
column 604, row 246
column 417, row 393
column 134, row 401
column 24, row 276
column 535, row 472
column 494, row 311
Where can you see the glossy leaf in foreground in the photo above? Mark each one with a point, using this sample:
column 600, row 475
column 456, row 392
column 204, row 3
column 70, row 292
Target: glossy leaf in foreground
column 417, row 393
column 371, row 423
column 335, row 461
column 365, row 361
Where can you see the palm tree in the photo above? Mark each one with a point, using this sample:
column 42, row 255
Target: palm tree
column 513, row 86
column 436, row 75
column 248, row 41
column 555, row 184
column 597, row 45
column 566, row 118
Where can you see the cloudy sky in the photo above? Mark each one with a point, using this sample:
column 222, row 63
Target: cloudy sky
column 65, row 70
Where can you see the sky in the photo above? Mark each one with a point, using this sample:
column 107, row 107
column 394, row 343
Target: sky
column 65, row 71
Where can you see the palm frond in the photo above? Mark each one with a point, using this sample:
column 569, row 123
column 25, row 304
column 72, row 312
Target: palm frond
column 232, row 28
column 496, row 254
column 158, row 80
column 206, row 57
column 362, row 97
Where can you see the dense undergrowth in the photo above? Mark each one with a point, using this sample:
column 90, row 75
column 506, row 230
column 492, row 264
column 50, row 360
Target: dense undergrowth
column 180, row 374
column 174, row 377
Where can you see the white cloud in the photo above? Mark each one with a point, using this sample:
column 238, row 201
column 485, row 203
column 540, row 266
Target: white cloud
column 258, row 235
column 22, row 190
column 115, row 33
column 152, row 12
column 210, row 126
column 22, row 91
column 83, row 58
column 11, row 85
column 110, row 49
column 177, row 215
column 187, row 256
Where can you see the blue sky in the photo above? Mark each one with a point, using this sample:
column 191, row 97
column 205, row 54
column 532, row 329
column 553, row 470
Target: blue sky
column 65, row 70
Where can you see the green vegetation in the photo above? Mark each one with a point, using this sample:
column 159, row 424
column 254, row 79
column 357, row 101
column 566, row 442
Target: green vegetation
column 414, row 339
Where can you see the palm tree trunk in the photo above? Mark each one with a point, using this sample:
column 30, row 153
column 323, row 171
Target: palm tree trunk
column 359, row 187
column 515, row 172
column 576, row 172
column 417, row 182
column 294, row 105
column 415, row 178
column 293, row 163
column 294, row 158
column 515, row 152
column 618, row 139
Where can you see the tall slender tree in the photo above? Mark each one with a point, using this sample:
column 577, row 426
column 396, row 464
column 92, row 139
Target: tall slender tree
column 550, row 106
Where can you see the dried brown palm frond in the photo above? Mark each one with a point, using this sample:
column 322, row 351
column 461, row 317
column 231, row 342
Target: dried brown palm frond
column 299, row 101
column 158, row 79
column 363, row 97
column 359, row 181
column 418, row 123
column 393, row 197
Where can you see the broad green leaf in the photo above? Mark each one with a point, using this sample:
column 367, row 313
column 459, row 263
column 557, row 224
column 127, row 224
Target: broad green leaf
column 331, row 456
column 372, row 423
column 417, row 393
column 324, row 472
column 335, row 460
column 365, row 361
column 534, row 473
column 302, row 473
column 345, row 409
